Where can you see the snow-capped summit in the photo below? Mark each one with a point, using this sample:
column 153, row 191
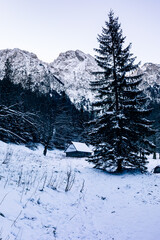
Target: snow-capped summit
column 26, row 65
column 75, row 69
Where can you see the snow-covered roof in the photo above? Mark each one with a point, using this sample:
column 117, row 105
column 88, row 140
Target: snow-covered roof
column 78, row 146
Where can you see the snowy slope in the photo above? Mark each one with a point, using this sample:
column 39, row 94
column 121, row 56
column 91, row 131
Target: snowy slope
column 101, row 206
column 25, row 64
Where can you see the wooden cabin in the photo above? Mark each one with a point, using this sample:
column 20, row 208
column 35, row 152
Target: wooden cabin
column 78, row 149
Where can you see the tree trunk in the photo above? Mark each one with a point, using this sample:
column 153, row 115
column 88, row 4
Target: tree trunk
column 45, row 149
column 119, row 166
column 154, row 155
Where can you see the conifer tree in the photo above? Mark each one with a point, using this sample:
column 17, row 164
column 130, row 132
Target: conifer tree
column 6, row 84
column 120, row 129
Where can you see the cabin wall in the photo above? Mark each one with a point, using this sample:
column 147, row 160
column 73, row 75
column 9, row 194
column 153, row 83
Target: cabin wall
column 71, row 148
column 77, row 154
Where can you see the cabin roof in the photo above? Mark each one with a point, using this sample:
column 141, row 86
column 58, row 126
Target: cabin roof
column 78, row 146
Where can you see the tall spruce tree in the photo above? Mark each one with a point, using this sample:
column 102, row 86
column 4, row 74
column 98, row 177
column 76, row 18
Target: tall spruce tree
column 120, row 129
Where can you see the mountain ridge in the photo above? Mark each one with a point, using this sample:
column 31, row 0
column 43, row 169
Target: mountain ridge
column 26, row 65
column 71, row 72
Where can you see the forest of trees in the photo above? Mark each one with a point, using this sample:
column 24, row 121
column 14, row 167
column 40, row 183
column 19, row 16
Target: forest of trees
column 33, row 117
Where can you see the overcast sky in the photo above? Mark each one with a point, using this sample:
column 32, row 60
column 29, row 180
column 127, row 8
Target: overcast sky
column 48, row 27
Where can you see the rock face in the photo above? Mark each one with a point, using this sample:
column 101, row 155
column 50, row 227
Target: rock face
column 151, row 81
column 151, row 74
column 27, row 67
column 75, row 69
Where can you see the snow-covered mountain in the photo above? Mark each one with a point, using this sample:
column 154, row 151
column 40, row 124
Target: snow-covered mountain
column 75, row 69
column 71, row 72
column 151, row 80
column 27, row 67
column 151, row 74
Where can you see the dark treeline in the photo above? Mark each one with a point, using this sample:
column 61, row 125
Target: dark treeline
column 34, row 117
column 154, row 104
column 155, row 117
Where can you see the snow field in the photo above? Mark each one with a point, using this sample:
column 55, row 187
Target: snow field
column 54, row 197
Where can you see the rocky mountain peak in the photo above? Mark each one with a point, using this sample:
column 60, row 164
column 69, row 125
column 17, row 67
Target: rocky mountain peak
column 27, row 65
column 75, row 69
column 151, row 76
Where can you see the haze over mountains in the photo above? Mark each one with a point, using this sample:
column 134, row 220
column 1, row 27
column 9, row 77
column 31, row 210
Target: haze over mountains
column 71, row 72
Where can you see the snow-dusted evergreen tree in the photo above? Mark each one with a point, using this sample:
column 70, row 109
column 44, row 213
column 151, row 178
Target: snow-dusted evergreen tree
column 120, row 129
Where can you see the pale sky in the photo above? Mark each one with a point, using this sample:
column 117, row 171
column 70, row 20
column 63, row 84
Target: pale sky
column 49, row 27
